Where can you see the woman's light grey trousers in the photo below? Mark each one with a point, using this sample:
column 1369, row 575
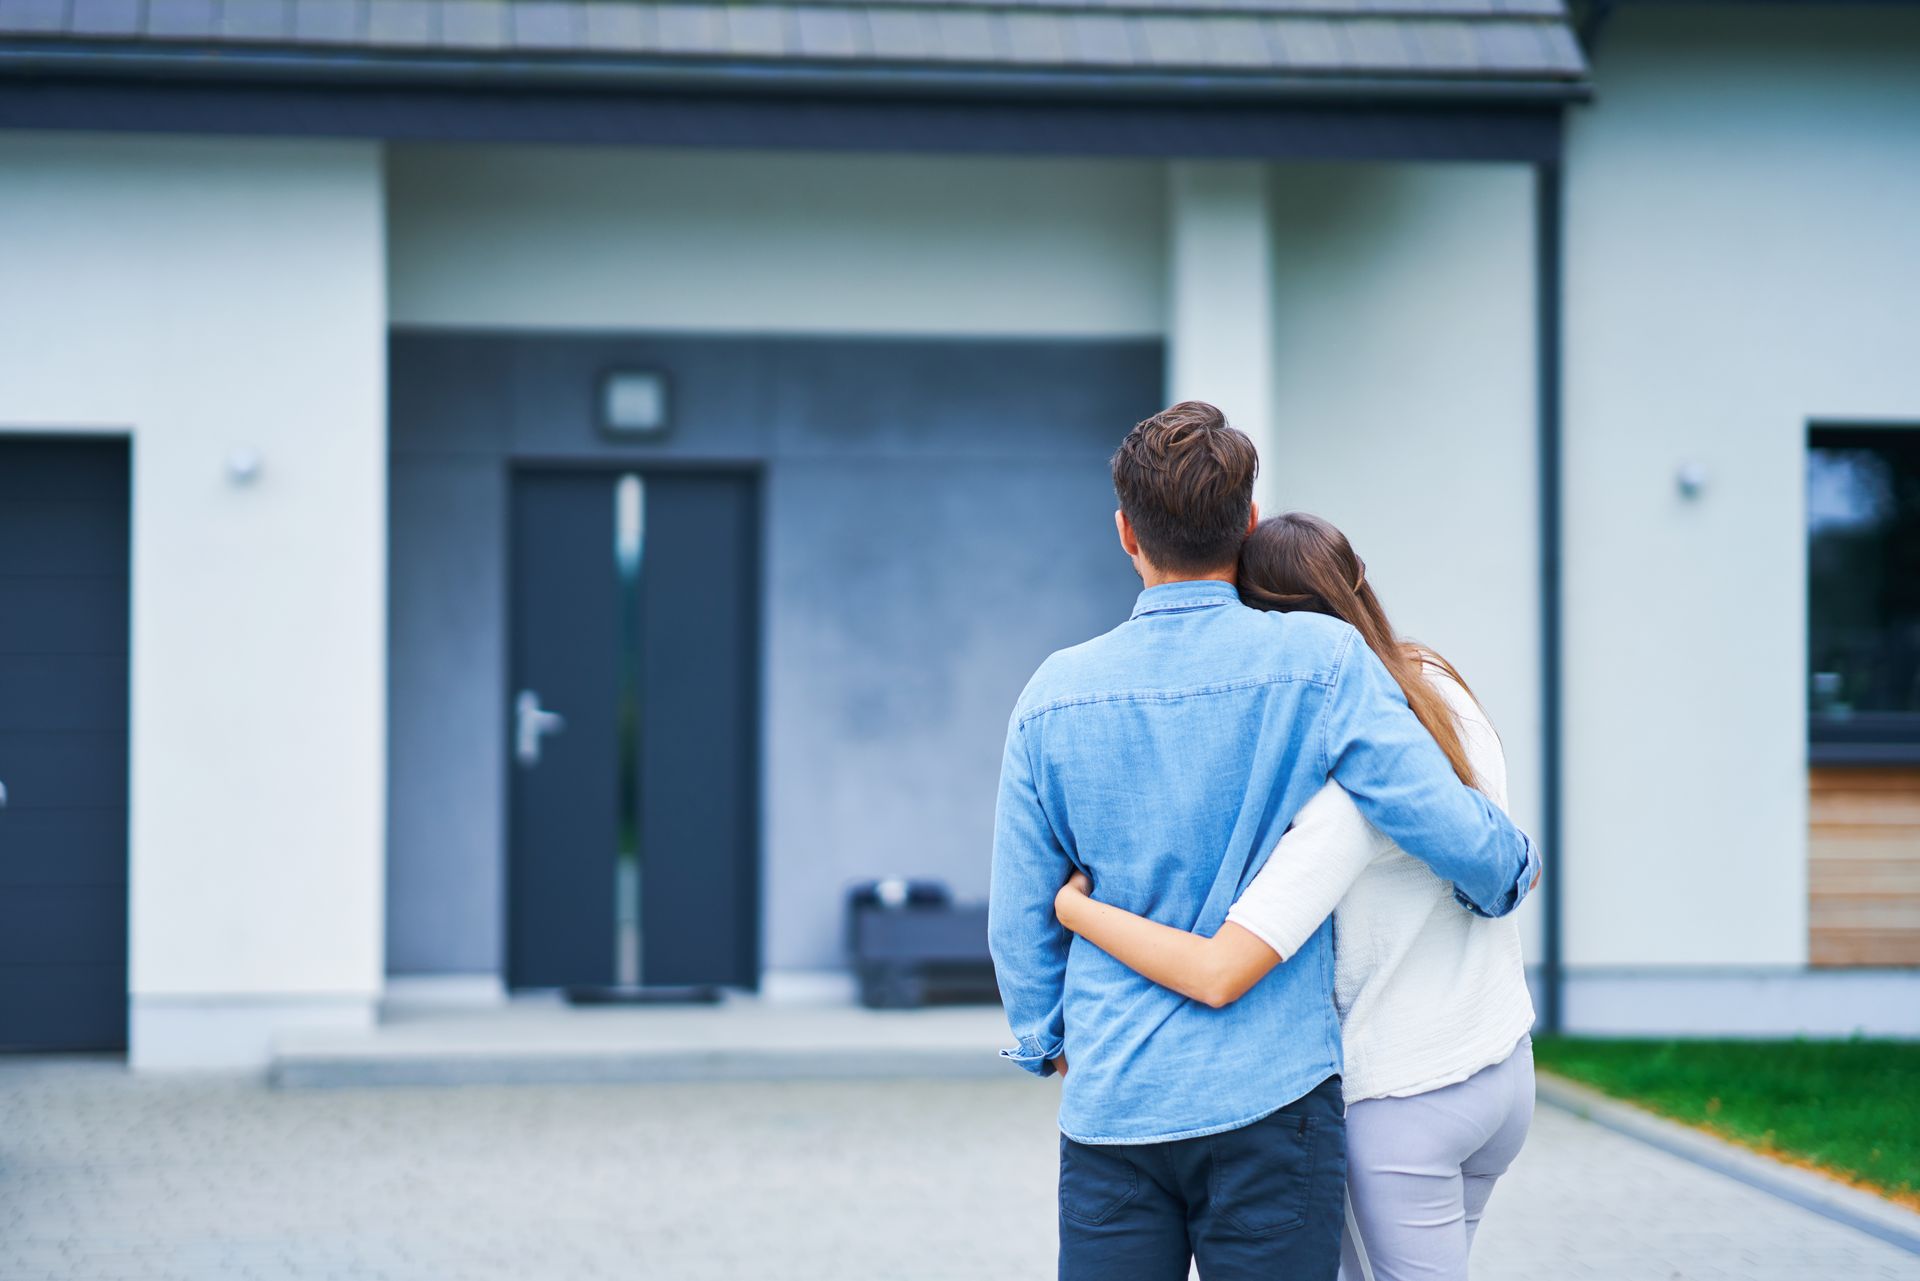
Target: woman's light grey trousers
column 1420, row 1170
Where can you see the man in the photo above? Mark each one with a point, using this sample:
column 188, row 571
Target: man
column 1165, row 758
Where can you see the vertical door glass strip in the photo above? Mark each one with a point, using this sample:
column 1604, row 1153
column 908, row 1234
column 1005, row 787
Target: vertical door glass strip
column 629, row 536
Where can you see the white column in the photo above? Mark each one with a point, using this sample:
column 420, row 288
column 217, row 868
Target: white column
column 1220, row 297
column 211, row 298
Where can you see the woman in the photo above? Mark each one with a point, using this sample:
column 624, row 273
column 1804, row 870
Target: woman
column 1434, row 1009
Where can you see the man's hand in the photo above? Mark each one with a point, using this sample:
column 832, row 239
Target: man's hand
column 1059, row 1065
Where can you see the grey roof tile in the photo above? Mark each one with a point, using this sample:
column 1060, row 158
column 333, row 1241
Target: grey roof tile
column 1444, row 45
column 963, row 35
column 1305, row 44
column 1236, row 42
column 1100, row 39
column 1378, row 44
column 997, row 35
column 759, row 30
column 615, row 27
column 690, row 28
column 329, row 21
column 256, row 19
column 400, row 22
column 473, row 24
column 1562, row 51
column 544, row 24
column 182, row 19
column 104, row 17
column 1493, row 40
column 1036, row 38
column 822, row 32
column 903, row 35
column 33, row 17
column 1505, row 46
column 1171, row 41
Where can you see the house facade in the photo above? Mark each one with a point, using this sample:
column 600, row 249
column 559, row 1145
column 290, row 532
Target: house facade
column 498, row 495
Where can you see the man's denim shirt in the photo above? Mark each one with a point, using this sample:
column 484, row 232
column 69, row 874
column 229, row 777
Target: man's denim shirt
column 1166, row 758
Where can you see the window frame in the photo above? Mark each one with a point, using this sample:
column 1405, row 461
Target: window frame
column 1857, row 738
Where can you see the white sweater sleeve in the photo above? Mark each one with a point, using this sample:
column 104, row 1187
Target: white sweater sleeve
column 1328, row 846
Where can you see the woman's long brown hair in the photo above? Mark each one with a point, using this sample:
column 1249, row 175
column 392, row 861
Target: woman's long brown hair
column 1298, row 561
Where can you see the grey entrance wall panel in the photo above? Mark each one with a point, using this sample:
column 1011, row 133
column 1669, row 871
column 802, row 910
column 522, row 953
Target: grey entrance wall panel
column 446, row 749
column 937, row 520
column 903, row 659
column 446, row 628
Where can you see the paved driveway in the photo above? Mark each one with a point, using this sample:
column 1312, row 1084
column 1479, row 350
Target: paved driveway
column 103, row 1175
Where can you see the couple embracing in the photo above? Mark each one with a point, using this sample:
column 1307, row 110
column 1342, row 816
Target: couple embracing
column 1251, row 886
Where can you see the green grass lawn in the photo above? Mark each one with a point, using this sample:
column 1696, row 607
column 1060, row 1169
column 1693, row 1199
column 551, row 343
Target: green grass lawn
column 1850, row 1107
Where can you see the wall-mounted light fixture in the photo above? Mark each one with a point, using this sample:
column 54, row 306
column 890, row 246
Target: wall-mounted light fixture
column 633, row 404
column 1691, row 480
column 243, row 467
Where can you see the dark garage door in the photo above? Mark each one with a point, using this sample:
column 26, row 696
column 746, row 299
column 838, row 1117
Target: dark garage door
column 63, row 743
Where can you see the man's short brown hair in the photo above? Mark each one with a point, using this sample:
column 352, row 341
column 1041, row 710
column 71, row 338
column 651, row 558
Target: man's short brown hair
column 1184, row 478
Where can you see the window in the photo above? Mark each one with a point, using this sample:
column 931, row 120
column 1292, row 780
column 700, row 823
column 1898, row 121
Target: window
column 1863, row 568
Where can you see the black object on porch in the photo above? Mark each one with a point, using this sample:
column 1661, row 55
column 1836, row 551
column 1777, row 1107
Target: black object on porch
column 913, row 945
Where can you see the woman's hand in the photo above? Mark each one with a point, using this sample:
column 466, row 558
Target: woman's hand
column 1074, row 895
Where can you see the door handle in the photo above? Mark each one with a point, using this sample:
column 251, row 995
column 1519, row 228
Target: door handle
column 531, row 724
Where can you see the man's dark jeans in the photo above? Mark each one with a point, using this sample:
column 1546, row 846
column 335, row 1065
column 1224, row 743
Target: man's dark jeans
column 1262, row 1202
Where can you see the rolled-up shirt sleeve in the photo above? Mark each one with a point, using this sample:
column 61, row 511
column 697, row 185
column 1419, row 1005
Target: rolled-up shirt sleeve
column 1034, row 1055
column 1316, row 861
column 1514, row 895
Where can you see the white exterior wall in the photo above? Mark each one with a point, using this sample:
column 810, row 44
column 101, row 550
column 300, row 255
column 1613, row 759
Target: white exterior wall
column 774, row 242
column 205, row 296
column 1743, row 257
column 1403, row 376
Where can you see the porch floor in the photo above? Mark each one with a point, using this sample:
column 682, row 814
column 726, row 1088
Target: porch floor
column 545, row 1041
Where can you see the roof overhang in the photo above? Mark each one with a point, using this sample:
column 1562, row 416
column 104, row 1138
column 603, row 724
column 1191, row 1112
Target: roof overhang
column 1427, row 79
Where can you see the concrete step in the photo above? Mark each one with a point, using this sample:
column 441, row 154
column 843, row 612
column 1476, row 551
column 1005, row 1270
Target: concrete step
column 537, row 1041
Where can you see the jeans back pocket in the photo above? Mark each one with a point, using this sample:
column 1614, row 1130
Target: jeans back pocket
column 1096, row 1181
column 1262, row 1174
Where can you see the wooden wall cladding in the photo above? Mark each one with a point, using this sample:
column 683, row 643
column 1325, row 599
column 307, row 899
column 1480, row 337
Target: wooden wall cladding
column 1863, row 874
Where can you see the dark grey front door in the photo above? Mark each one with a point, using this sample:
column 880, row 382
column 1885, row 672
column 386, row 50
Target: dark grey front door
column 63, row 743
column 633, row 705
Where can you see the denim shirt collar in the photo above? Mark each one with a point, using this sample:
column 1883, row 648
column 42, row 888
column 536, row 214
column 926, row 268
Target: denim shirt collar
column 1199, row 594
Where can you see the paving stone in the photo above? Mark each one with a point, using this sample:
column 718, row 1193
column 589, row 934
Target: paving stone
column 107, row 1175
